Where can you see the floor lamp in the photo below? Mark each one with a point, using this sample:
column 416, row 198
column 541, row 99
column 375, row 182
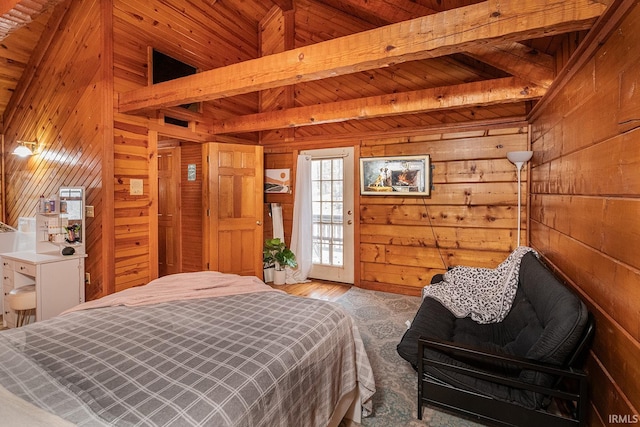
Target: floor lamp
column 519, row 158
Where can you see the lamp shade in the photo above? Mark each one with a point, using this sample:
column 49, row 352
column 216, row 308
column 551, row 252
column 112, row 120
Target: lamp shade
column 22, row 151
column 519, row 156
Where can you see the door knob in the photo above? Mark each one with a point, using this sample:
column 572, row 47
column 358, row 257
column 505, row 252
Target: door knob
column 259, row 222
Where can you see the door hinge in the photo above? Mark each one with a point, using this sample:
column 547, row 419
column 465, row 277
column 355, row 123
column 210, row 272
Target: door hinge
column 207, row 266
column 208, row 212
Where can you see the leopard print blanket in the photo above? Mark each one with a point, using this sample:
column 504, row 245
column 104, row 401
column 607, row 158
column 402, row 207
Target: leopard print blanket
column 484, row 294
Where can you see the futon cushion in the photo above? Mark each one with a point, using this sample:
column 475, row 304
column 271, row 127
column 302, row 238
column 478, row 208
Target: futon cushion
column 545, row 323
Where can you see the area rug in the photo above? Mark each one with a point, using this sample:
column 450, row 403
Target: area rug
column 381, row 319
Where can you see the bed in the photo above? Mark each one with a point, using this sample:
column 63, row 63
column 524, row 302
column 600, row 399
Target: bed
column 189, row 349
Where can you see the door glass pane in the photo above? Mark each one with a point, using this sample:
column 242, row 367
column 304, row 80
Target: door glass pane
column 328, row 213
column 315, row 171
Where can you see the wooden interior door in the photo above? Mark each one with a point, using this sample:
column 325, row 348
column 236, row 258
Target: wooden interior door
column 234, row 210
column 169, row 221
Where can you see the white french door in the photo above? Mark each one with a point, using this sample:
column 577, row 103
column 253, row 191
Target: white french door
column 332, row 183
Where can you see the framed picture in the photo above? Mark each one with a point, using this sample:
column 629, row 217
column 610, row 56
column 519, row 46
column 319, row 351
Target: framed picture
column 277, row 181
column 395, row 176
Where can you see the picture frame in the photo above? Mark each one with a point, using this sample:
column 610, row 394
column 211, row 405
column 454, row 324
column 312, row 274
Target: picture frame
column 277, row 181
column 395, row 176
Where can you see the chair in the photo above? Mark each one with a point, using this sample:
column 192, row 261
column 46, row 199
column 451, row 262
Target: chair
column 23, row 301
column 568, row 390
column 506, row 373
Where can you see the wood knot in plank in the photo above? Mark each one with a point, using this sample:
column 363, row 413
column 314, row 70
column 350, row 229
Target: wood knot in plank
column 389, row 48
column 496, row 14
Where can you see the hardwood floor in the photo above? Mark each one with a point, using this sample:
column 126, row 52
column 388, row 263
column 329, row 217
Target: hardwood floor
column 328, row 291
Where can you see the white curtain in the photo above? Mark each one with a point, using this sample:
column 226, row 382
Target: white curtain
column 302, row 227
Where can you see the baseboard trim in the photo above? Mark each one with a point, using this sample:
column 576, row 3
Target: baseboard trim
column 390, row 287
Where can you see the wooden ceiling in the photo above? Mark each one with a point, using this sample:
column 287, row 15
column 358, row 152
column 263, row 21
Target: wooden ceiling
column 354, row 65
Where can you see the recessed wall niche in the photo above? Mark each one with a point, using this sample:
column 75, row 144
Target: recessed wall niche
column 164, row 68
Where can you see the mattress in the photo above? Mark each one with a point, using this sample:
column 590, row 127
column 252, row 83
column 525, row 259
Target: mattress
column 253, row 359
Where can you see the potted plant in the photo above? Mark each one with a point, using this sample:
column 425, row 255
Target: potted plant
column 268, row 265
column 277, row 254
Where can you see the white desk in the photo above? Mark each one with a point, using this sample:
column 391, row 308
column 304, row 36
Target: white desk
column 58, row 279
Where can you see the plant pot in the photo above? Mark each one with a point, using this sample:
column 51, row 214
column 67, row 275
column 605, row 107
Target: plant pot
column 268, row 274
column 279, row 277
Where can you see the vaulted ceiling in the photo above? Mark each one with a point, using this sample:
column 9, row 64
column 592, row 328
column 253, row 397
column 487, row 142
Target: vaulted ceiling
column 439, row 61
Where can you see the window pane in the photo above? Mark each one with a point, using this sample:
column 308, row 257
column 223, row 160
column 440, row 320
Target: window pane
column 328, row 211
column 337, row 169
column 337, row 256
column 326, row 191
column 326, row 250
column 337, row 233
column 315, row 190
column 317, row 258
column 315, row 206
column 337, row 213
column 337, row 191
column 326, row 169
column 326, row 233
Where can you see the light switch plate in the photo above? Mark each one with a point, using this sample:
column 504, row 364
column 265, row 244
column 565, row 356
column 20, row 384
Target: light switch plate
column 136, row 187
column 89, row 212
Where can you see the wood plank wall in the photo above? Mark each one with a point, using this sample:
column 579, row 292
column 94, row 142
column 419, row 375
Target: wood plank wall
column 585, row 206
column 56, row 105
column 472, row 212
column 133, row 159
column 276, row 35
column 188, row 35
column 191, row 194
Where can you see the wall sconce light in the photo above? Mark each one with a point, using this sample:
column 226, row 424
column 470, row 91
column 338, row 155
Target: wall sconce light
column 519, row 158
column 25, row 148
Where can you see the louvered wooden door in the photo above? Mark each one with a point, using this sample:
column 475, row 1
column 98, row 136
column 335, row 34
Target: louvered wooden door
column 234, row 208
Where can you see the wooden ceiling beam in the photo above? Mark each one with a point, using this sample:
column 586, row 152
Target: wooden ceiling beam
column 285, row 5
column 513, row 58
column 518, row 60
column 483, row 93
column 435, row 35
column 391, row 11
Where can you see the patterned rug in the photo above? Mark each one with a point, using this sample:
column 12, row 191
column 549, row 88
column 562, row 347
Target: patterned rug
column 381, row 318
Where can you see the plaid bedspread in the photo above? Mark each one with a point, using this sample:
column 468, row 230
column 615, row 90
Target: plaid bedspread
column 262, row 359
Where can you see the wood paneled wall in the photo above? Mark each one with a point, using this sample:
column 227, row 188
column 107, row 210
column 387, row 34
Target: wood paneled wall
column 95, row 50
column 470, row 218
column 190, row 36
column 133, row 159
column 55, row 104
column 191, row 195
column 585, row 209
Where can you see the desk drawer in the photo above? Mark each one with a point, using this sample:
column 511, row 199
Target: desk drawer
column 24, row 268
column 7, row 278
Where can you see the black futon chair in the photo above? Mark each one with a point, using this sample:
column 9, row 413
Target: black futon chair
column 509, row 372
